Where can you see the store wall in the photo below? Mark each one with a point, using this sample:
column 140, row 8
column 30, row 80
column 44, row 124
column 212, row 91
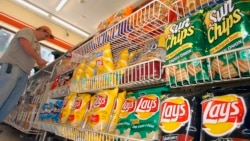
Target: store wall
column 11, row 9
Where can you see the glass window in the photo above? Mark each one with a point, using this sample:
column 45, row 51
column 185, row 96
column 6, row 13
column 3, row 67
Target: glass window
column 5, row 38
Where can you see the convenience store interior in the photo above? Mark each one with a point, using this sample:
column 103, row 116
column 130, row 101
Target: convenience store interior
column 210, row 73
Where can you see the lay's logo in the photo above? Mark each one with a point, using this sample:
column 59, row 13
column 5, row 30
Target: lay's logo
column 175, row 113
column 128, row 107
column 101, row 101
column 77, row 104
column 223, row 114
column 147, row 106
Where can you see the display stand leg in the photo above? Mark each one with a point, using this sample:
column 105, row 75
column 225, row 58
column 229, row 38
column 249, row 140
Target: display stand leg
column 43, row 136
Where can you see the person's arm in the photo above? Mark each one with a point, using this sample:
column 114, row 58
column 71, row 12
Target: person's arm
column 29, row 50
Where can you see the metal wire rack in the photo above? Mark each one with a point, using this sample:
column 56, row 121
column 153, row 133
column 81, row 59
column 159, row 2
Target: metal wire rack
column 214, row 70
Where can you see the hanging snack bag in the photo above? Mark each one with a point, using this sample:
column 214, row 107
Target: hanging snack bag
column 104, row 65
column 67, row 106
column 226, row 114
column 115, row 117
column 77, row 75
column 55, row 112
column 126, row 116
column 185, row 41
column 180, row 118
column 227, row 27
column 89, row 71
column 79, row 109
column 101, row 110
column 84, row 124
column 145, row 122
column 120, row 62
column 147, row 61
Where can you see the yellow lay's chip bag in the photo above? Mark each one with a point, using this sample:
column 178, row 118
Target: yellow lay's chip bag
column 85, row 120
column 67, row 106
column 79, row 109
column 101, row 110
column 117, row 110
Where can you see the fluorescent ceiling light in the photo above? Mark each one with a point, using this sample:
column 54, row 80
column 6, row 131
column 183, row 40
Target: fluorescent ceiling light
column 69, row 26
column 60, row 5
column 34, row 8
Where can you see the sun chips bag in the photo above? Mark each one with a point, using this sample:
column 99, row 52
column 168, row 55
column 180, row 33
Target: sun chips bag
column 227, row 27
column 185, row 40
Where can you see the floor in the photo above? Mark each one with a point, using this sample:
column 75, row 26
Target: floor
column 11, row 134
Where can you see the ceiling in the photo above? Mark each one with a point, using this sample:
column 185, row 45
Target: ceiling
column 85, row 14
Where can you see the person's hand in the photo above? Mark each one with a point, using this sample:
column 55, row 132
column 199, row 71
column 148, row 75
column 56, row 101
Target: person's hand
column 41, row 63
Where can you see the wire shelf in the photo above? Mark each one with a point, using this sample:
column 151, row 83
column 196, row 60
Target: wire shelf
column 132, row 32
column 75, row 134
column 138, row 75
column 214, row 69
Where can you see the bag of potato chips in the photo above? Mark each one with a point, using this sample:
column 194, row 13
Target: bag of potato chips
column 180, row 117
column 227, row 28
column 126, row 116
column 101, row 110
column 185, row 40
column 145, row 121
column 225, row 114
column 116, row 111
column 67, row 106
column 79, row 109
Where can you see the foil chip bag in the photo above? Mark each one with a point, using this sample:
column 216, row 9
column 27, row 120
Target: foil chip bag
column 226, row 114
column 180, row 118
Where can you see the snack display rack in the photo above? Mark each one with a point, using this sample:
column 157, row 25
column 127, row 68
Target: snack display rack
column 225, row 75
column 133, row 32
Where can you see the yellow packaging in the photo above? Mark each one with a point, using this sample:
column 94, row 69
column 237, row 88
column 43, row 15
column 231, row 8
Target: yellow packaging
column 79, row 109
column 67, row 105
column 88, row 112
column 78, row 74
column 101, row 110
column 104, row 64
column 117, row 110
column 120, row 61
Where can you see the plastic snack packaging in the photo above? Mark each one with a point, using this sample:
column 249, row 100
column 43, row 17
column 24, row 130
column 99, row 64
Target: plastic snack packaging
column 145, row 120
column 79, row 109
column 116, row 111
column 101, row 110
column 123, row 128
column 185, row 40
column 84, row 124
column 227, row 28
column 146, row 63
column 67, row 106
column 180, row 117
column 225, row 114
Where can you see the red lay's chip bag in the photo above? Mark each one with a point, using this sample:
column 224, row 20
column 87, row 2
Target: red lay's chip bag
column 180, row 118
column 225, row 114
